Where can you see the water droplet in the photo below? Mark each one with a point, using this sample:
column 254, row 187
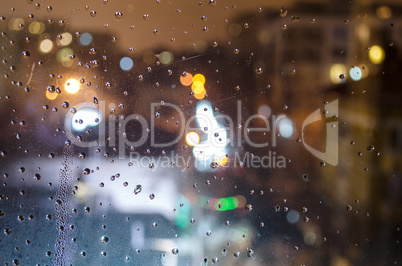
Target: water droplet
column 370, row 148
column 342, row 76
column 175, row 251
column 212, row 3
column 258, row 71
column 249, row 207
column 86, row 171
column 87, row 209
column 118, row 15
column 214, row 165
column 104, row 239
column 236, row 51
column 137, row 189
column 37, row 177
column 285, row 107
column 283, row 12
column 93, row 13
column 284, row 26
column 26, row 53
column 154, row 225
column 152, row 196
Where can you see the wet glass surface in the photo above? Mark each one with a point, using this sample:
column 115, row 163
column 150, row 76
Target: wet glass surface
column 200, row 132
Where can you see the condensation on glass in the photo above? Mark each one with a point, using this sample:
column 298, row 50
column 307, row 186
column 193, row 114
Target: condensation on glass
column 200, row 132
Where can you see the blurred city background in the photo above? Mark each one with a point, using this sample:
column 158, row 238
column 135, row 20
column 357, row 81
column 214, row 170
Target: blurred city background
column 86, row 86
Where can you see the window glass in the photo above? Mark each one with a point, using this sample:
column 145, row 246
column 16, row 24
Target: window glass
column 200, row 132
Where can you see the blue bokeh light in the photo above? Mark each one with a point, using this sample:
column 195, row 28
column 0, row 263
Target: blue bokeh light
column 126, row 63
column 355, row 73
column 85, row 38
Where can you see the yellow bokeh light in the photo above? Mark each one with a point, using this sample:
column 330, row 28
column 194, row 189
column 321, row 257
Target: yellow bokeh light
column 46, row 46
column 187, row 79
column 166, row 57
column 221, row 158
column 36, row 27
column 51, row 95
column 376, row 54
column 66, row 38
column 235, row 29
column 16, row 24
column 72, row 86
column 335, row 72
column 201, row 95
column 199, row 78
column 63, row 56
column 192, row 138
column 197, row 87
column 384, row 12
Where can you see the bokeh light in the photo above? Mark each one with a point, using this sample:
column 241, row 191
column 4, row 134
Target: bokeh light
column 384, row 12
column 166, row 57
column 285, row 127
column 72, row 86
column 376, row 54
column 126, row 63
column 63, row 56
column 201, row 95
column 186, row 79
column 221, row 158
column 355, row 73
column 226, row 204
column 264, row 110
column 14, row 24
column 36, row 27
column 197, row 87
column 335, row 72
column 66, row 39
column 192, row 138
column 235, row 29
column 85, row 38
column 46, row 46
column 84, row 118
column 51, row 95
column 199, row 78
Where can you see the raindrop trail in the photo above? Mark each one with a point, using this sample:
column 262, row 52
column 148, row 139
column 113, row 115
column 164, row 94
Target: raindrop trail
column 186, row 59
column 30, row 76
column 64, row 250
